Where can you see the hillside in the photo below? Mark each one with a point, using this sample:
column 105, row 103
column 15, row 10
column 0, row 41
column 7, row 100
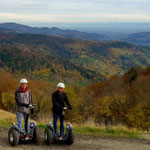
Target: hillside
column 71, row 60
column 141, row 38
column 43, row 65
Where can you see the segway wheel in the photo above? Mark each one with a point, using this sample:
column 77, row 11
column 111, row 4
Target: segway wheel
column 13, row 137
column 48, row 136
column 35, row 138
column 71, row 137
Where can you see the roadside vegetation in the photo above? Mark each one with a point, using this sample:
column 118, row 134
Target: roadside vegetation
column 118, row 107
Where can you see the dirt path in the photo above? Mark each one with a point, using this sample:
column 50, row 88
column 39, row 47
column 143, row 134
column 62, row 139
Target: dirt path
column 82, row 142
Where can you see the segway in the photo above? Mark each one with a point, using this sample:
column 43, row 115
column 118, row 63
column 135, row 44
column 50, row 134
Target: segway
column 68, row 137
column 15, row 136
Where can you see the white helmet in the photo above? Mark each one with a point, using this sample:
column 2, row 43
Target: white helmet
column 23, row 81
column 61, row 85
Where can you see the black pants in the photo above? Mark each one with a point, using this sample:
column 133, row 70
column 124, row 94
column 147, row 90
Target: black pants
column 61, row 118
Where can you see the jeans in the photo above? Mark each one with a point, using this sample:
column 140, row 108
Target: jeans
column 61, row 118
column 19, row 121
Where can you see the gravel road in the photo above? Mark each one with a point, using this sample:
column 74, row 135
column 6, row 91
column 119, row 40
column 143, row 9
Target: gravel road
column 82, row 142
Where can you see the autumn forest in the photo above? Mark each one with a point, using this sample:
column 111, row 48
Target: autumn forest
column 107, row 82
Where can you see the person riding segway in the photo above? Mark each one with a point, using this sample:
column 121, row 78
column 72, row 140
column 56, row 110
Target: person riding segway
column 24, row 106
column 59, row 98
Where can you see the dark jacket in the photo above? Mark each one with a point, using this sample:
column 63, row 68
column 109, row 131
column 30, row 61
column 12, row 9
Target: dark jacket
column 59, row 100
column 23, row 100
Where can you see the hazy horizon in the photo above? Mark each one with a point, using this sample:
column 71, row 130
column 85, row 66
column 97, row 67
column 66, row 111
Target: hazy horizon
column 100, row 28
column 74, row 11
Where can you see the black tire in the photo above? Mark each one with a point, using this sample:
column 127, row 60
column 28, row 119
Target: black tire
column 71, row 137
column 48, row 136
column 13, row 137
column 35, row 138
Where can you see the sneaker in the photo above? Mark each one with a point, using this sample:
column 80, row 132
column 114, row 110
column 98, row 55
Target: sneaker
column 30, row 135
column 61, row 138
column 27, row 137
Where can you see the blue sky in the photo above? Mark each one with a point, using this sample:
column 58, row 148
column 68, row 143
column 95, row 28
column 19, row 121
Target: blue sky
column 74, row 11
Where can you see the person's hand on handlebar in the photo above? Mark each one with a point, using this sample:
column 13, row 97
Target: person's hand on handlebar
column 25, row 105
column 32, row 110
column 70, row 107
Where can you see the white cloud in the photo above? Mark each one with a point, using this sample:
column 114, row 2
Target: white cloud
column 75, row 10
column 73, row 18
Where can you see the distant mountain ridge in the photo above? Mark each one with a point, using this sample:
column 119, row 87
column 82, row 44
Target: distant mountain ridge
column 53, row 32
column 141, row 38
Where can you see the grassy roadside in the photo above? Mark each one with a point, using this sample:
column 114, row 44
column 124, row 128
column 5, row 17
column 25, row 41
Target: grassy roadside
column 7, row 118
column 118, row 131
column 107, row 131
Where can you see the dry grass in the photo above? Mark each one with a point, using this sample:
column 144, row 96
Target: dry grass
column 7, row 115
column 6, row 118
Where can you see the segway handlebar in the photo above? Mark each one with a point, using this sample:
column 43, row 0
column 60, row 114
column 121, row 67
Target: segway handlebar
column 31, row 105
column 65, row 108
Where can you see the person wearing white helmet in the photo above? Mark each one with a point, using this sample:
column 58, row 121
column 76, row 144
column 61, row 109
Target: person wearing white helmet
column 23, row 99
column 59, row 98
column 61, row 85
column 23, row 82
